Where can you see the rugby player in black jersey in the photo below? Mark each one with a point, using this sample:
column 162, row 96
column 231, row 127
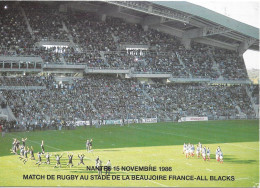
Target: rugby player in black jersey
column 70, row 160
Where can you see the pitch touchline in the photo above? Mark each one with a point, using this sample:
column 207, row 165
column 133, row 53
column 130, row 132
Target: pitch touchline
column 194, row 138
column 39, row 143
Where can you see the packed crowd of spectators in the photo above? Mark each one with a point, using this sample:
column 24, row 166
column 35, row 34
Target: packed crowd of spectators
column 198, row 61
column 93, row 36
column 8, row 125
column 45, row 21
column 22, row 81
column 201, row 100
column 104, row 97
column 89, row 58
column 108, row 97
column 5, row 51
column 48, row 55
column 241, row 99
column 146, row 62
column 116, row 98
column 254, row 89
column 112, row 98
column 90, row 33
column 13, row 29
column 231, row 65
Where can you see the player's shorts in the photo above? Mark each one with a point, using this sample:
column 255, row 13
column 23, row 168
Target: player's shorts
column 187, row 151
column 208, row 154
column 58, row 162
column 203, row 155
column 221, row 157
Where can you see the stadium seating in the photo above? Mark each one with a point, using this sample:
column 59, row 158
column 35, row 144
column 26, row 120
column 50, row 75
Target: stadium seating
column 45, row 22
column 110, row 97
column 13, row 30
column 93, row 36
column 97, row 44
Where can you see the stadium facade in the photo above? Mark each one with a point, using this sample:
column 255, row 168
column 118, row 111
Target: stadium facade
column 117, row 62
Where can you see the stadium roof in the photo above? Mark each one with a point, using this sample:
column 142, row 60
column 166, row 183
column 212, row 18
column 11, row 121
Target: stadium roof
column 182, row 19
column 196, row 22
column 211, row 16
column 232, row 31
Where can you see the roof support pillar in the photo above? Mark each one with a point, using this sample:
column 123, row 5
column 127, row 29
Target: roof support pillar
column 145, row 27
column 186, row 43
column 103, row 17
column 243, row 46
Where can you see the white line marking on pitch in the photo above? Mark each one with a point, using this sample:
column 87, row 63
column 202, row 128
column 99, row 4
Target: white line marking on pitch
column 209, row 170
column 189, row 164
column 29, row 140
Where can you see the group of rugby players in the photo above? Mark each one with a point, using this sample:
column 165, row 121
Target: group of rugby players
column 189, row 150
column 24, row 155
column 16, row 146
column 23, row 150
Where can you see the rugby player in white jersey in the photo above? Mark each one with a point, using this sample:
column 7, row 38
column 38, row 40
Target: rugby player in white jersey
column 208, row 153
column 198, row 151
column 187, row 151
column 204, row 153
column 184, row 148
column 221, row 157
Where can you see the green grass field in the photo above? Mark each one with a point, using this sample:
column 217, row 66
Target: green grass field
column 157, row 145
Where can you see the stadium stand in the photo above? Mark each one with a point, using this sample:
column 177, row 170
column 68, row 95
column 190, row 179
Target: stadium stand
column 128, row 52
column 89, row 33
column 22, row 81
column 108, row 97
column 13, row 31
column 45, row 22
